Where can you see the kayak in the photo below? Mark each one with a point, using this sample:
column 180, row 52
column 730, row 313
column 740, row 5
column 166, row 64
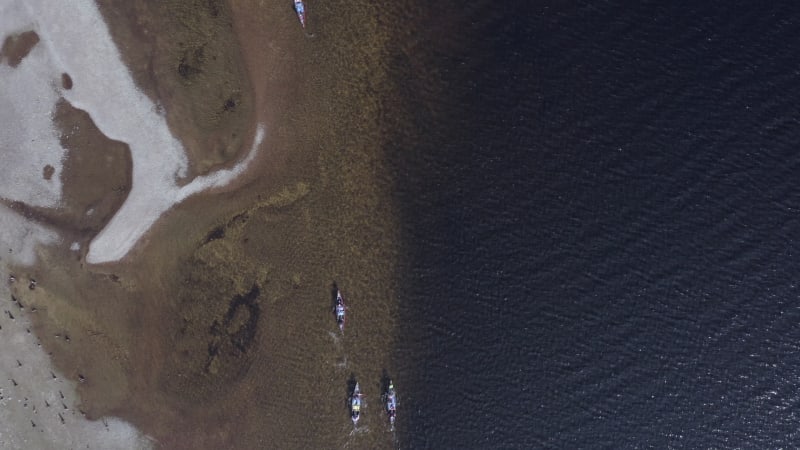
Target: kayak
column 391, row 404
column 301, row 11
column 355, row 404
column 340, row 310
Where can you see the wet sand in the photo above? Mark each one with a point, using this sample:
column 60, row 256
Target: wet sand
column 217, row 330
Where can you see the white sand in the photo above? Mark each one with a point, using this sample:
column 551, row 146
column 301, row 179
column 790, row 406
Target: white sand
column 19, row 239
column 28, row 140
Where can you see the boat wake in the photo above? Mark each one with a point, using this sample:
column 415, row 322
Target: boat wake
column 337, row 337
column 352, row 441
column 359, row 430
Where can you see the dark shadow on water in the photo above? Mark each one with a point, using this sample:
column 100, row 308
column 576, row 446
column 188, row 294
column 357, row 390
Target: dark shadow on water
column 351, row 387
column 334, row 290
column 385, row 379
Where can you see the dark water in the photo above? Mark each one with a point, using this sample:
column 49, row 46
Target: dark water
column 601, row 207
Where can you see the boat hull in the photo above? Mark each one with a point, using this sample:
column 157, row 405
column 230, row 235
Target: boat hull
column 340, row 311
column 355, row 405
column 391, row 404
column 300, row 9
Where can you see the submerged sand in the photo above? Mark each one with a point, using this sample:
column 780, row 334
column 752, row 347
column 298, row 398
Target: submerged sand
column 216, row 330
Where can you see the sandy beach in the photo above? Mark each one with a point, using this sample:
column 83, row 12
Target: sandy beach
column 211, row 325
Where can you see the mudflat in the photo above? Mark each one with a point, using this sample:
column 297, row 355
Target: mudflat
column 217, row 331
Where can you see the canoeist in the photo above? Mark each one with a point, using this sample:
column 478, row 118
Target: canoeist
column 355, row 405
column 340, row 310
column 300, row 8
column 391, row 404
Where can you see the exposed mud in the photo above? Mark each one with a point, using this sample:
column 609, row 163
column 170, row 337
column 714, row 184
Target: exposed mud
column 16, row 48
column 66, row 81
column 48, row 171
column 96, row 175
column 97, row 171
column 185, row 57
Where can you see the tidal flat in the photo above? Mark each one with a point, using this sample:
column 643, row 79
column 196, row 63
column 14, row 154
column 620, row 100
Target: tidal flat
column 216, row 329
